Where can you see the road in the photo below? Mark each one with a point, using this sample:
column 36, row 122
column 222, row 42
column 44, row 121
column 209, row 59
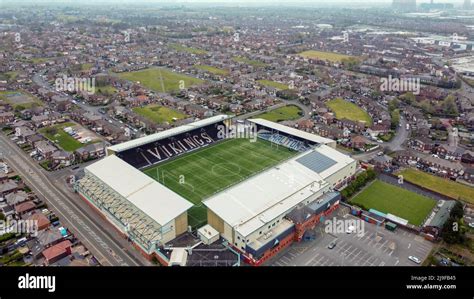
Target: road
column 401, row 134
column 96, row 234
column 396, row 144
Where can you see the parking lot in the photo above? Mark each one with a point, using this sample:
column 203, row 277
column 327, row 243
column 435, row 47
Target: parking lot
column 374, row 246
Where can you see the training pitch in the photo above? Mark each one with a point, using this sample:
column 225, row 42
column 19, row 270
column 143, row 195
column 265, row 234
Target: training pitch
column 391, row 199
column 200, row 174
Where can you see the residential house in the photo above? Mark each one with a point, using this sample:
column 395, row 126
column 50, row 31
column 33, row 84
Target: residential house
column 25, row 207
column 42, row 221
column 468, row 175
column 23, row 132
column 423, row 144
column 445, row 150
column 57, row 252
column 6, row 117
column 61, row 158
column 378, row 129
column 45, row 149
column 91, row 151
column 305, row 124
column 351, row 125
column 16, row 197
column 359, row 142
column 7, row 186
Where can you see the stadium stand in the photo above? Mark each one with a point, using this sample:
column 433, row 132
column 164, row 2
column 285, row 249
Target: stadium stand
column 285, row 140
column 162, row 150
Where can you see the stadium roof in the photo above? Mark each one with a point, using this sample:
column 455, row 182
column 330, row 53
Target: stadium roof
column 250, row 204
column 155, row 200
column 316, row 161
column 168, row 133
column 295, row 132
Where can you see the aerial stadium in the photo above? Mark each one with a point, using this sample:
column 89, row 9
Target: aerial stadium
column 250, row 188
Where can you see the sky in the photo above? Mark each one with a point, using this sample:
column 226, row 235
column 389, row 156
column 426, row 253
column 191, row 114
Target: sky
column 288, row 2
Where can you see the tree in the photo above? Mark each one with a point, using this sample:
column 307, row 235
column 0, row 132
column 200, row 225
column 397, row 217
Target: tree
column 2, row 216
column 427, row 107
column 409, row 98
column 451, row 231
column 51, row 131
column 457, row 211
column 449, row 105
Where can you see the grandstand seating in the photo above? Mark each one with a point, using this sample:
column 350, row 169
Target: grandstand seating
column 155, row 152
column 284, row 140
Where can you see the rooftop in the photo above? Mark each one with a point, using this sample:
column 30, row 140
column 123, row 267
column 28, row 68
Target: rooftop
column 139, row 189
column 250, row 204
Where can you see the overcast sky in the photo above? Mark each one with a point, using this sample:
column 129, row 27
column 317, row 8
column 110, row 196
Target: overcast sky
column 281, row 2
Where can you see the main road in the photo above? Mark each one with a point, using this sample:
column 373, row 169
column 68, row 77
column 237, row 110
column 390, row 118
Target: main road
column 396, row 144
column 95, row 233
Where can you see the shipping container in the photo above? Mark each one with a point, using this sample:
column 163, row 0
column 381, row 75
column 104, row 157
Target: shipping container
column 390, row 226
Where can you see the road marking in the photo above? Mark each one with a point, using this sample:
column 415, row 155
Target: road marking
column 35, row 176
column 285, row 258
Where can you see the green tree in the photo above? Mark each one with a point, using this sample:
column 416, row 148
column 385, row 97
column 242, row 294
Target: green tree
column 457, row 211
column 451, row 231
column 449, row 105
column 409, row 98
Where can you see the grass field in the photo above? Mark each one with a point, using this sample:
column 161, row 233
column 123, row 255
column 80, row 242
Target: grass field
column 274, row 84
column 61, row 138
column 348, row 110
column 215, row 168
column 160, row 80
column 290, row 112
column 212, row 70
column 251, row 62
column 19, row 98
column 182, row 48
column 440, row 185
column 8, row 75
column 159, row 114
column 391, row 199
column 330, row 56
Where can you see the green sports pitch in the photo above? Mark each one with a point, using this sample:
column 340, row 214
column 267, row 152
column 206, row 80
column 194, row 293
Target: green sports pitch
column 392, row 199
column 200, row 174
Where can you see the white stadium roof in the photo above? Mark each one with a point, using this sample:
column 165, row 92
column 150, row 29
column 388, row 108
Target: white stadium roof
column 168, row 133
column 293, row 131
column 259, row 199
column 155, row 200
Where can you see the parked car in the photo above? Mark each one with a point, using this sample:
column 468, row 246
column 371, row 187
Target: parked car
column 332, row 245
column 414, row 259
